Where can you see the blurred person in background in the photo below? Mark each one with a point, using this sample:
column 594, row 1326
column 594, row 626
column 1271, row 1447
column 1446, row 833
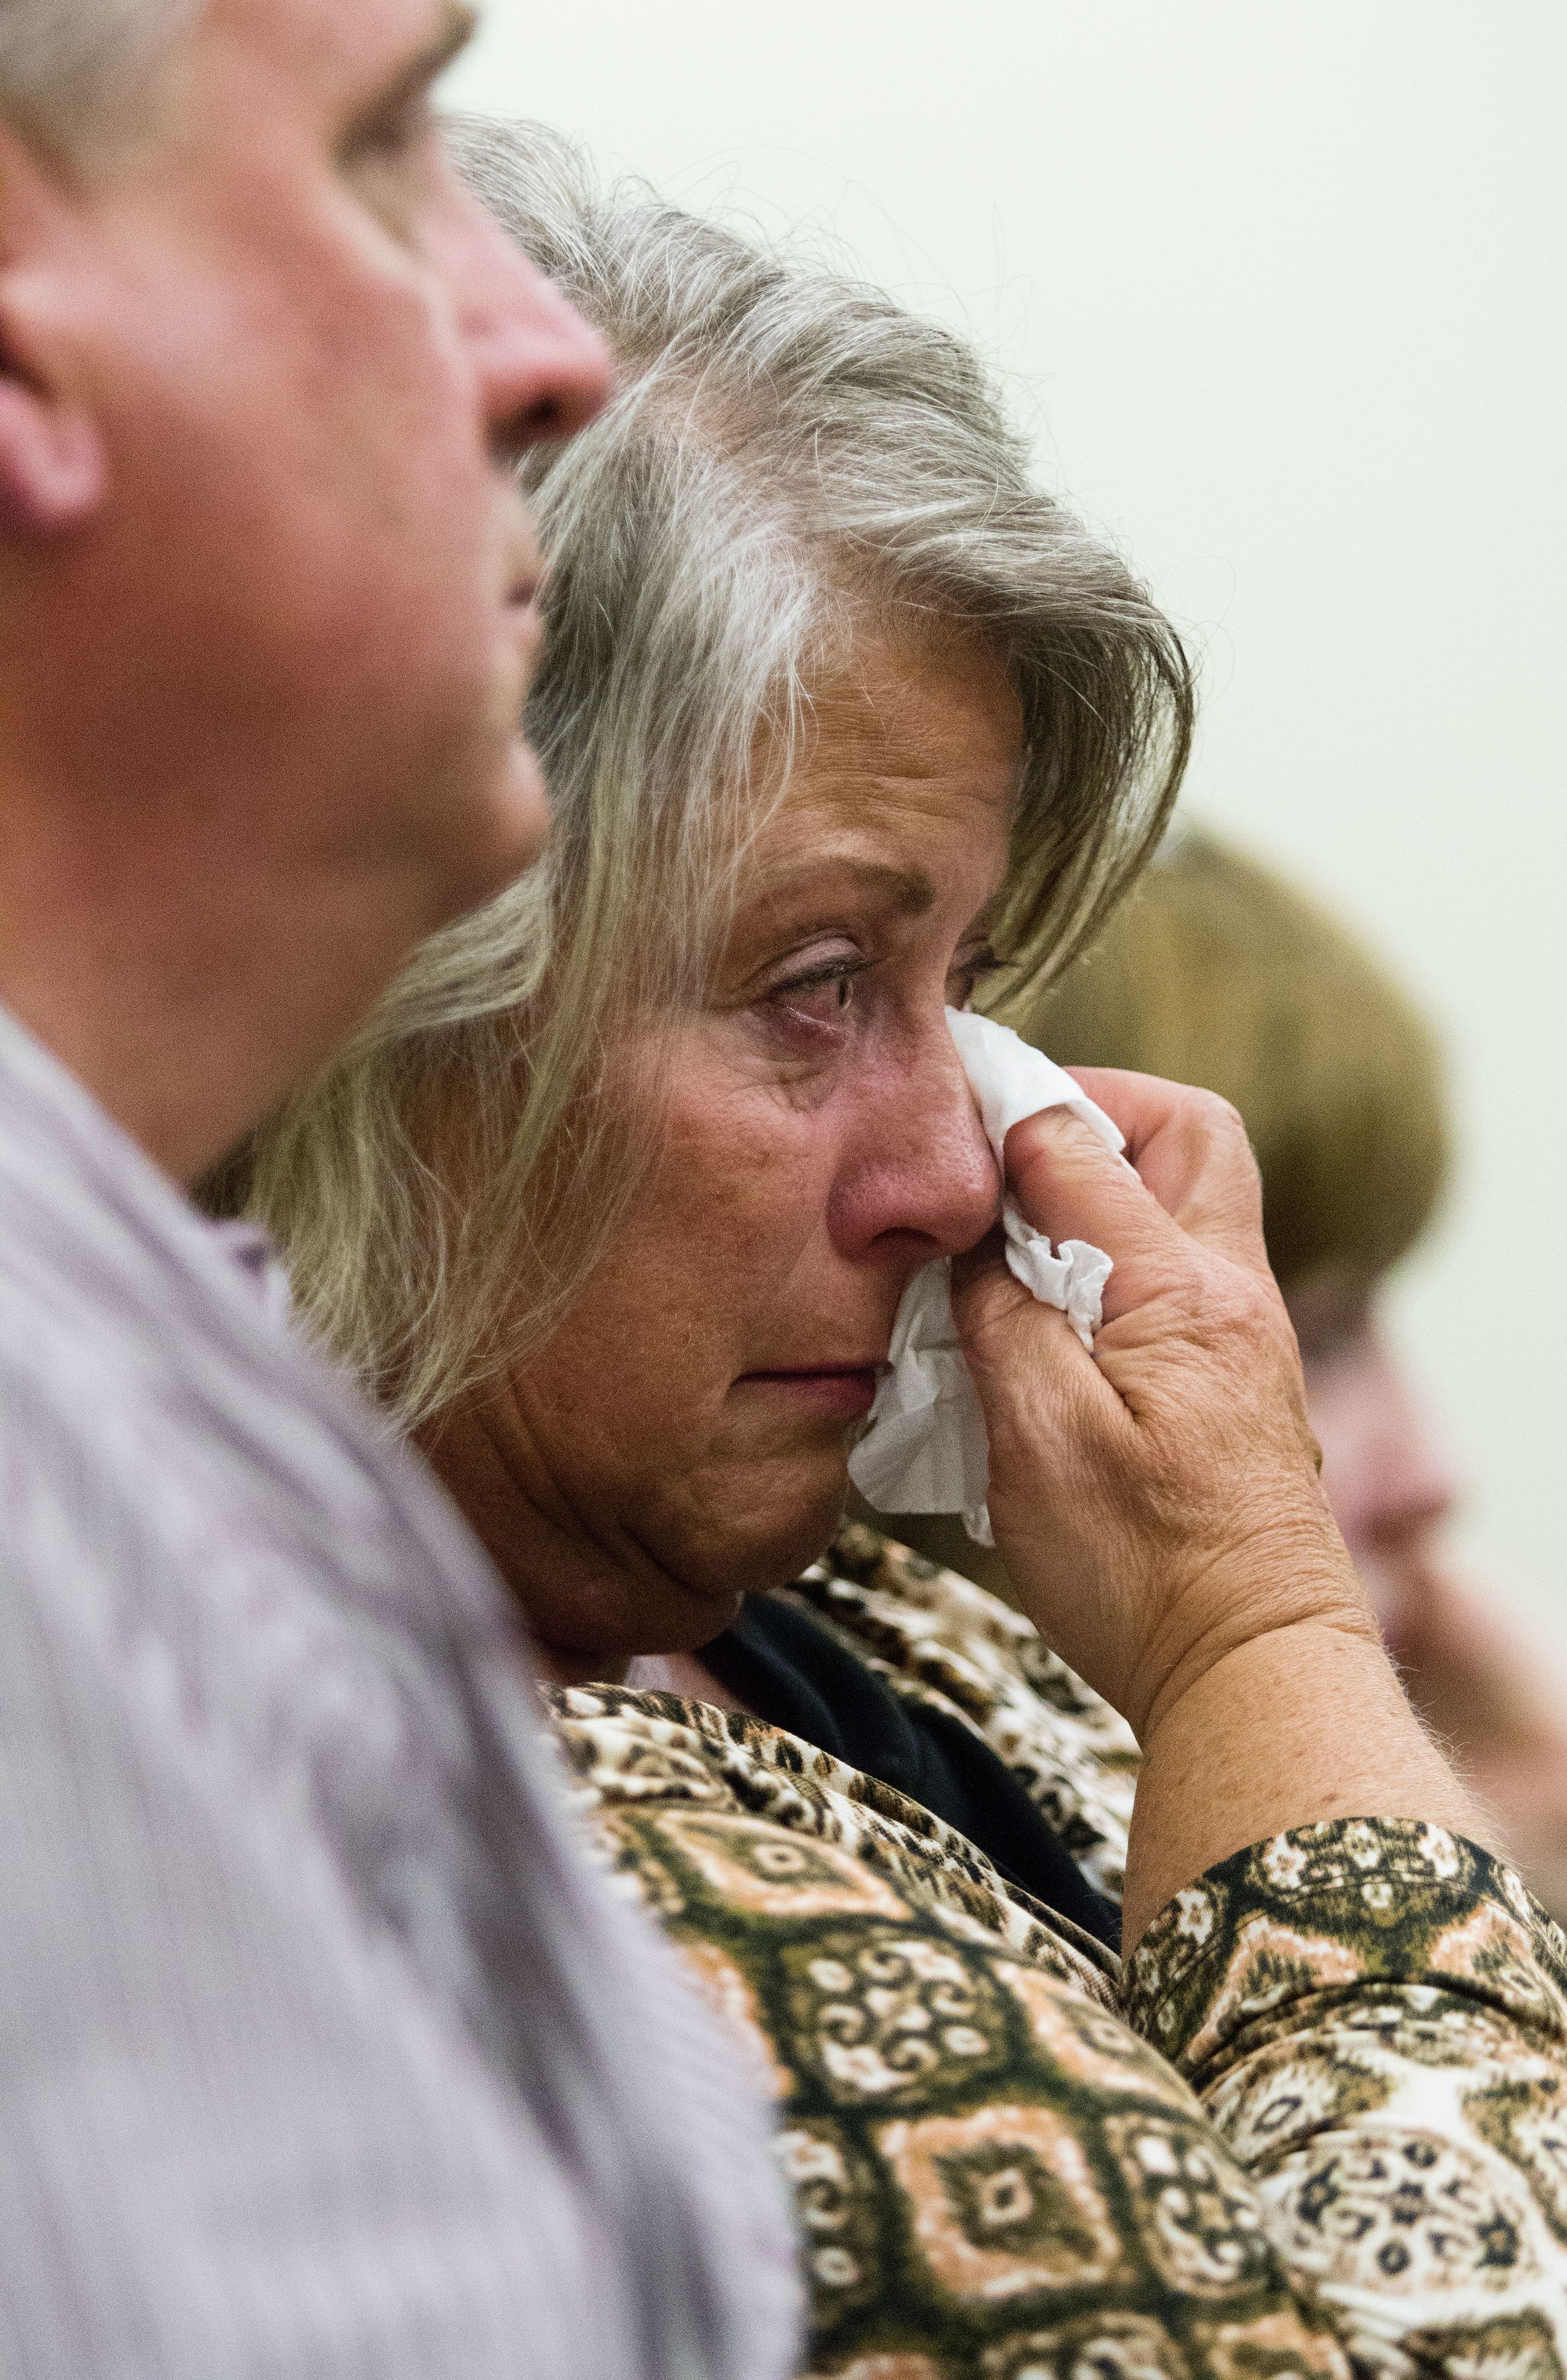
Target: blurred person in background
column 1217, row 971
column 322, row 2052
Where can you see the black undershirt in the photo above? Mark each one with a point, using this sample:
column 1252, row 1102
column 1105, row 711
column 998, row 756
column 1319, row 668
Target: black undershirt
column 798, row 1676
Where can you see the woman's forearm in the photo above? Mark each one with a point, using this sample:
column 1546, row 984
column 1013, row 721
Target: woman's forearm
column 1306, row 1723
column 1159, row 1508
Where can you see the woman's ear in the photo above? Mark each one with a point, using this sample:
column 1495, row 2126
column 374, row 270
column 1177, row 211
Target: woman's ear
column 52, row 469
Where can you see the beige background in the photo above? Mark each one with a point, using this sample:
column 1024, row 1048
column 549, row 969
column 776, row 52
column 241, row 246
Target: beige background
column 1279, row 284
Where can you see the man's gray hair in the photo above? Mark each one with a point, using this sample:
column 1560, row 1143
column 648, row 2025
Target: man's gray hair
column 73, row 73
column 790, row 458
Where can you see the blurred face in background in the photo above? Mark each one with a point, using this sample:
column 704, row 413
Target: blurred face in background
column 1386, row 1477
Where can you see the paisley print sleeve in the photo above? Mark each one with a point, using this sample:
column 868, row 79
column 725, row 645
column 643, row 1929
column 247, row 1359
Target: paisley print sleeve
column 1372, row 2014
column 1316, row 2130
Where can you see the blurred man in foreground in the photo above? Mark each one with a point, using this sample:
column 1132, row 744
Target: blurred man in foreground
column 320, row 2053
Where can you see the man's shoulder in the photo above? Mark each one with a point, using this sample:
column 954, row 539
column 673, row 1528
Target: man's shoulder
column 168, row 1444
column 208, row 1545
column 97, row 1246
column 116, row 1359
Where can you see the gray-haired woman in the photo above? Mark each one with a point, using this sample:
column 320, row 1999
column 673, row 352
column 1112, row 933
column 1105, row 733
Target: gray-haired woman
column 614, row 1206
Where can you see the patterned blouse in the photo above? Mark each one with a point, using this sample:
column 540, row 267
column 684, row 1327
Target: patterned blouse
column 1315, row 2126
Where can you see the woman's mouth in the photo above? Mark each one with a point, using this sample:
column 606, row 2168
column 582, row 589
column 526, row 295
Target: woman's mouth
column 845, row 1391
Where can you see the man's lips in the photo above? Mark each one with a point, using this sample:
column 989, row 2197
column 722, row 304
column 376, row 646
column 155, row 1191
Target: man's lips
column 525, row 623
column 844, row 1390
column 522, row 604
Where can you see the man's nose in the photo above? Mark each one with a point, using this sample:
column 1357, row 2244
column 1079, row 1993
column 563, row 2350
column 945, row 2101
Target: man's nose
column 542, row 372
column 923, row 1179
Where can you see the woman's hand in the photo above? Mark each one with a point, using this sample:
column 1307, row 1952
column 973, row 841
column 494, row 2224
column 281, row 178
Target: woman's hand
column 1157, row 1504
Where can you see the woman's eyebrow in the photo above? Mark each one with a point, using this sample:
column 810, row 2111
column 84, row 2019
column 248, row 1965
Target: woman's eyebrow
column 907, row 890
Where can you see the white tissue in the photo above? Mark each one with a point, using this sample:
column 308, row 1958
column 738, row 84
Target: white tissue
column 925, row 1449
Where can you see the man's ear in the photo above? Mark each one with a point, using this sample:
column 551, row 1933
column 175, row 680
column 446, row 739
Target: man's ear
column 52, row 469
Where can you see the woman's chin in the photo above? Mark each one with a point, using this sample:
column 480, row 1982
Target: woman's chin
column 768, row 1528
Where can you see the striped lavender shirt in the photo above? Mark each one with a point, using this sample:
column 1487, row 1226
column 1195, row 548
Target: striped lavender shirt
column 322, row 2052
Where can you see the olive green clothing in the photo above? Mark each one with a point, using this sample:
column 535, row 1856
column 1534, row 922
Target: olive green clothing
column 1317, row 2124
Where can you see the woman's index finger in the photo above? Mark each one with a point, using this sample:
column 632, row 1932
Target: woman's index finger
column 1190, row 1151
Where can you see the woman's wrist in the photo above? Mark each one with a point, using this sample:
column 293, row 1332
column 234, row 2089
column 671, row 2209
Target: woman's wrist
column 1292, row 1574
column 1304, row 1722
column 1142, row 1623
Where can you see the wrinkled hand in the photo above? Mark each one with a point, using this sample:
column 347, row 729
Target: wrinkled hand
column 1157, row 1504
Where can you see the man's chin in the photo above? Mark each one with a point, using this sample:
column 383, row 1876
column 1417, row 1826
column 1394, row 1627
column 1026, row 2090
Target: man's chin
column 525, row 807
column 516, row 819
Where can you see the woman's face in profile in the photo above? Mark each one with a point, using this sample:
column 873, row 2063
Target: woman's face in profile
column 683, row 1439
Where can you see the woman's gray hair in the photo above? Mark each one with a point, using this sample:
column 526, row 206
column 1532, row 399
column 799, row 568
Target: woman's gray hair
column 75, row 74
column 789, row 458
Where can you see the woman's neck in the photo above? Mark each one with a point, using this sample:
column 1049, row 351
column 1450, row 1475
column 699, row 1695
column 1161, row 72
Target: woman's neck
column 560, row 1665
column 686, row 1674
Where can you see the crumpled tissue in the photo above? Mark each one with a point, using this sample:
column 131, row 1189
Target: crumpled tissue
column 925, row 1447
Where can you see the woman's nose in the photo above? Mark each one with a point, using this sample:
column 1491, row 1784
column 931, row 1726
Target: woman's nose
column 919, row 1178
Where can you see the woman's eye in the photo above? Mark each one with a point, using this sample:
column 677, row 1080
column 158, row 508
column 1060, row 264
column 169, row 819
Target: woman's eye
column 827, row 1000
column 822, row 996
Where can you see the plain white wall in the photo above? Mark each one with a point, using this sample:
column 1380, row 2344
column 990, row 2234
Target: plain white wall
column 1280, row 287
